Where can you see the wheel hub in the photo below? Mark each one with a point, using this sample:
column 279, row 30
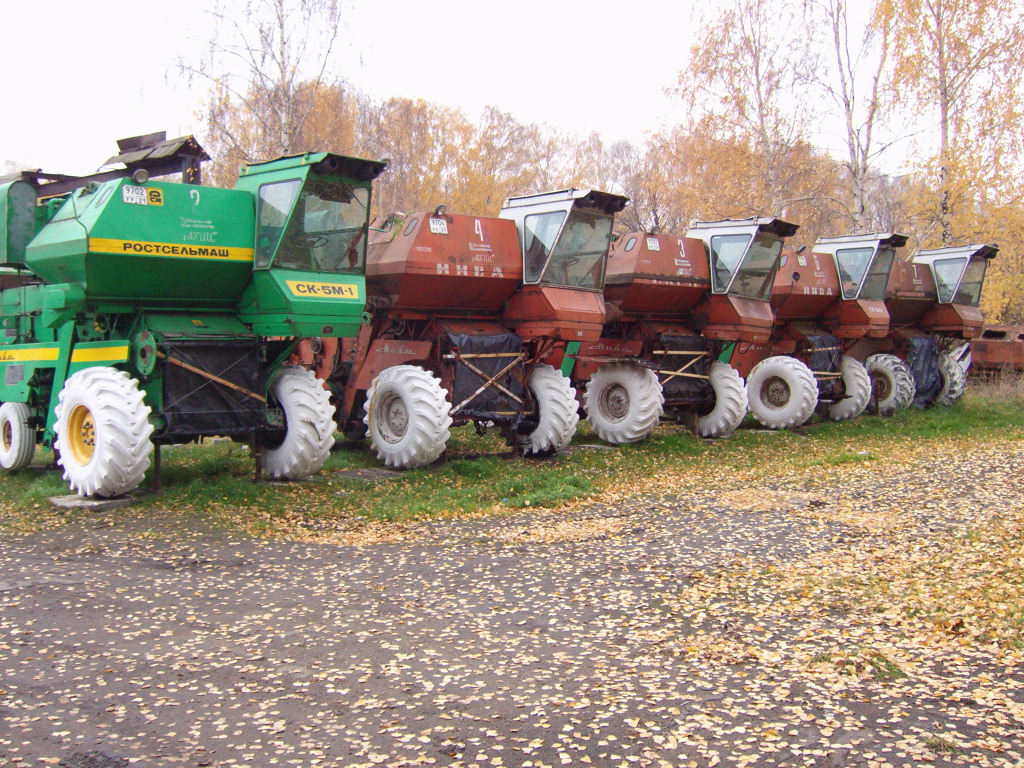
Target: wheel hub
column 81, row 434
column 393, row 418
column 775, row 392
column 615, row 402
column 7, row 436
column 881, row 386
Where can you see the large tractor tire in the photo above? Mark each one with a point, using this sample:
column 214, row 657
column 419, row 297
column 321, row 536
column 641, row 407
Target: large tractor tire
column 954, row 381
column 892, row 381
column 17, row 437
column 407, row 417
column 623, row 402
column 782, row 392
column 730, row 401
column 557, row 417
column 309, row 425
column 857, row 384
column 102, row 432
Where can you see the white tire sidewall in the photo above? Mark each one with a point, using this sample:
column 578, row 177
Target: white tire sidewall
column 803, row 392
column 14, row 417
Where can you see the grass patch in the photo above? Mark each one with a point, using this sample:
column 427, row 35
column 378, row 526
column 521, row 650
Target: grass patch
column 941, row 745
column 215, row 480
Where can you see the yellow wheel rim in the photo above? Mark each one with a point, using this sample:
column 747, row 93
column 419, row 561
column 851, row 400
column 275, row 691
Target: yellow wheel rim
column 7, row 436
column 81, row 434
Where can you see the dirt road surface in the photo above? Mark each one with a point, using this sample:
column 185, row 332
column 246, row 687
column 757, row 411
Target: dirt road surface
column 659, row 631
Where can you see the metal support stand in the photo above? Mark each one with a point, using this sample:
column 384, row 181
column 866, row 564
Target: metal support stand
column 257, row 451
column 157, row 474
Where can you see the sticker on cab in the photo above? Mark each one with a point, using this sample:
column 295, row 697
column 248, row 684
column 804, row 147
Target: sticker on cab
column 653, row 244
column 306, row 288
column 135, row 195
column 438, row 227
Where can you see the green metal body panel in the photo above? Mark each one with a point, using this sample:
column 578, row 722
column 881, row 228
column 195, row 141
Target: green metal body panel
column 17, row 221
column 159, row 244
column 571, row 350
column 293, row 303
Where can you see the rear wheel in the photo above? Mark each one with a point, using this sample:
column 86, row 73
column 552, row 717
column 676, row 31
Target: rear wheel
column 782, row 392
column 730, row 401
column 892, row 382
column 857, row 384
column 954, row 380
column 17, row 437
column 102, row 432
column 407, row 417
column 556, row 412
column 309, row 425
column 623, row 402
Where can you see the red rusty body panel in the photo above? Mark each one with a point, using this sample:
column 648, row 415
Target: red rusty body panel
column 958, row 320
column 736, row 318
column 1000, row 347
column 384, row 353
column 446, row 262
column 593, row 355
column 910, row 293
column 805, row 286
column 657, row 274
column 563, row 314
column 854, row 319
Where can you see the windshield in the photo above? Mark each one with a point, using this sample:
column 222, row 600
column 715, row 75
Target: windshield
column 726, row 253
column 541, row 229
column 878, row 275
column 969, row 292
column 947, row 275
column 756, row 272
column 580, row 252
column 324, row 232
column 853, row 264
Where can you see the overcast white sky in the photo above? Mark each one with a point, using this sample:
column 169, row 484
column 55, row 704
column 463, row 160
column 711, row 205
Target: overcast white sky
column 80, row 75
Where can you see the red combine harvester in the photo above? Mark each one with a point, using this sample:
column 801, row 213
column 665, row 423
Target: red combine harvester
column 823, row 301
column 932, row 302
column 999, row 348
column 463, row 310
column 674, row 307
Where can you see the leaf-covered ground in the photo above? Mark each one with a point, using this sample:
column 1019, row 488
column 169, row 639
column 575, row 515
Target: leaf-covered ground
column 826, row 598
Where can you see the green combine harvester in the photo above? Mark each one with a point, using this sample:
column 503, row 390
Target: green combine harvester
column 141, row 313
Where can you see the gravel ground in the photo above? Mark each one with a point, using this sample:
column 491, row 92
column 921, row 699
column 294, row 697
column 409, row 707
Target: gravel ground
column 664, row 629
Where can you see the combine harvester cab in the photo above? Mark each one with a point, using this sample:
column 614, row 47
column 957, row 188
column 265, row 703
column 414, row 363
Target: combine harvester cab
column 669, row 325
column 144, row 321
column 933, row 307
column 822, row 301
column 784, row 382
column 465, row 309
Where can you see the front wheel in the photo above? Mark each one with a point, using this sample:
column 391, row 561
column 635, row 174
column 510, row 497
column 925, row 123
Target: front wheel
column 407, row 417
column 730, row 404
column 17, row 437
column 103, row 432
column 892, row 382
column 623, row 402
column 782, row 392
column 309, row 425
column 857, row 384
column 954, row 380
column 556, row 412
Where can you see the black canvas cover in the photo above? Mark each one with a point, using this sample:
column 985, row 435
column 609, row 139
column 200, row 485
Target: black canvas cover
column 681, row 390
column 196, row 406
column 491, row 404
column 923, row 359
column 822, row 352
